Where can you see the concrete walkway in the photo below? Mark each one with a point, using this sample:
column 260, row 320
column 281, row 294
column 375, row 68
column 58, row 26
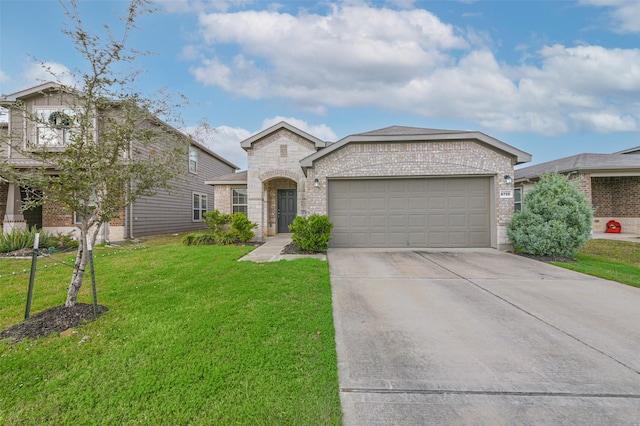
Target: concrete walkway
column 272, row 248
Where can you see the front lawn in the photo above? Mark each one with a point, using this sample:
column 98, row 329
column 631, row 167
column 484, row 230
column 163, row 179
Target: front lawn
column 191, row 337
column 610, row 259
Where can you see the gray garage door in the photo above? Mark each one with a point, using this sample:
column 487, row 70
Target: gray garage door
column 434, row 212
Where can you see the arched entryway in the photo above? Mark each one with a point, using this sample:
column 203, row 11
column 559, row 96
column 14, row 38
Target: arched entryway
column 281, row 204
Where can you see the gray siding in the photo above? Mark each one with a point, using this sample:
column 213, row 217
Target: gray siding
column 169, row 212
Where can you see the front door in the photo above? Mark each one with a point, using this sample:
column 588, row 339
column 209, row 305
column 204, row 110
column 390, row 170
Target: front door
column 287, row 200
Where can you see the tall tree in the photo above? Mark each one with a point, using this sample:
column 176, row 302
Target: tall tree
column 112, row 148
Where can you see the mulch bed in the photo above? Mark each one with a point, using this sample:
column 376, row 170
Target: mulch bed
column 52, row 320
column 291, row 248
column 547, row 259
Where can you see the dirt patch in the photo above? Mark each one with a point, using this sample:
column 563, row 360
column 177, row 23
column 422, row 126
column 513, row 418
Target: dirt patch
column 291, row 248
column 52, row 320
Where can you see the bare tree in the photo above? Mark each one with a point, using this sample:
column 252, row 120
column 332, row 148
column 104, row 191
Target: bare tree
column 111, row 147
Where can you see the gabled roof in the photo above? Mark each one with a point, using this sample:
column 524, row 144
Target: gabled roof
column 282, row 125
column 50, row 85
column 635, row 150
column 581, row 163
column 417, row 134
column 229, row 179
column 7, row 99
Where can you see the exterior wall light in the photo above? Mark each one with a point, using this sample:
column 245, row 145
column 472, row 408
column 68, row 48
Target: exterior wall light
column 316, row 183
column 508, row 179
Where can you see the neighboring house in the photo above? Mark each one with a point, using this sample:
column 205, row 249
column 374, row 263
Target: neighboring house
column 178, row 211
column 611, row 183
column 393, row 187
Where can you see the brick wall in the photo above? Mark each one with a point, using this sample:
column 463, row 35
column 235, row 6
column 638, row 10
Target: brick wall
column 56, row 215
column 4, row 192
column 616, row 196
column 446, row 158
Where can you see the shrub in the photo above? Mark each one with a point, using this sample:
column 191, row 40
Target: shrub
column 19, row 239
column 555, row 219
column 216, row 221
column 62, row 241
column 225, row 229
column 241, row 227
column 312, row 233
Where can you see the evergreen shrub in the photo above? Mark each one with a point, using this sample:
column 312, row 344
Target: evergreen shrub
column 555, row 219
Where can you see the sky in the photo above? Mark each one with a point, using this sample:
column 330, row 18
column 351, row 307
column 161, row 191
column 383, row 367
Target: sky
column 552, row 78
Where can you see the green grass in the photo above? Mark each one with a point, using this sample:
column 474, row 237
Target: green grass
column 610, row 259
column 192, row 337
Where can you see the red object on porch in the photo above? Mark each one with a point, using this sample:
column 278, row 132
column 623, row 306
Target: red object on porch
column 613, row 227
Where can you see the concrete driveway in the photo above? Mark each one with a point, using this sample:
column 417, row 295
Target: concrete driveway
column 481, row 337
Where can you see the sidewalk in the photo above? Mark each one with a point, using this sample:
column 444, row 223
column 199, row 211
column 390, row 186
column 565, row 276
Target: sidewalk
column 624, row 236
column 271, row 249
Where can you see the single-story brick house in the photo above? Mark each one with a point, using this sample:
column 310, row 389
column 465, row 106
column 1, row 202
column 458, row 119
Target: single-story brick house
column 611, row 183
column 393, row 187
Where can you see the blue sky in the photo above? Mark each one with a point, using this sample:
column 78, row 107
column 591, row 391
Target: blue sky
column 553, row 78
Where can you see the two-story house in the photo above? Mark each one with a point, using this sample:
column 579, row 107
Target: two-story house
column 179, row 210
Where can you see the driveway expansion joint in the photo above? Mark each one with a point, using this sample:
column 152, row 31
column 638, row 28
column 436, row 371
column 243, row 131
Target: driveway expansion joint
column 489, row 393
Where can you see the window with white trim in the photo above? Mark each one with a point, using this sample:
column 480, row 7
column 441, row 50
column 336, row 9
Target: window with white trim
column 53, row 127
column 193, row 159
column 199, row 206
column 517, row 199
column 239, row 201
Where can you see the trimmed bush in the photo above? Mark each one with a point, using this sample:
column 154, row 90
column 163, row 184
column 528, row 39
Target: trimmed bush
column 311, row 234
column 555, row 219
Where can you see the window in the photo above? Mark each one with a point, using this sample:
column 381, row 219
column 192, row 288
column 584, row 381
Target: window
column 517, row 199
column 239, row 201
column 91, row 206
column 53, row 127
column 199, row 206
column 193, row 159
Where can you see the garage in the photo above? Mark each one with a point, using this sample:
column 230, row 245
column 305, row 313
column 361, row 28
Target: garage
column 410, row 212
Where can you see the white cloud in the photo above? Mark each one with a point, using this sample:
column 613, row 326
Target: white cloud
column 625, row 14
column 410, row 61
column 3, row 77
column 224, row 141
column 320, row 131
column 605, row 122
column 38, row 73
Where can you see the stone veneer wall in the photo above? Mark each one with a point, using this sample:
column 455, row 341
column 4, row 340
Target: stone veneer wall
column 222, row 200
column 446, row 158
column 279, row 157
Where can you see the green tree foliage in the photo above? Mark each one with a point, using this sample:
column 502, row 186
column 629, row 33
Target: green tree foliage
column 555, row 219
column 311, row 234
column 116, row 149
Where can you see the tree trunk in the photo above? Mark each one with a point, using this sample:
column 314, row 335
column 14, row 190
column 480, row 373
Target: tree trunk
column 82, row 258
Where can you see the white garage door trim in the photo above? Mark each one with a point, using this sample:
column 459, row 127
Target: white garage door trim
column 434, row 212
